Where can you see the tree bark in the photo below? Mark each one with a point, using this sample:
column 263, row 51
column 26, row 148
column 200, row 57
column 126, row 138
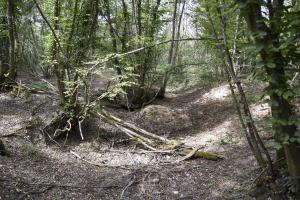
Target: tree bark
column 4, row 53
column 280, row 107
column 59, row 72
column 12, row 41
column 257, row 142
column 112, row 31
column 171, row 58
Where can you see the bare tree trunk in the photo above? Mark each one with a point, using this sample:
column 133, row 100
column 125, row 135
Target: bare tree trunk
column 72, row 32
column 173, row 49
column 112, row 32
column 236, row 32
column 178, row 33
column 242, row 113
column 145, row 58
column 59, row 72
column 138, row 8
column 4, row 53
column 125, row 33
column 12, row 41
column 250, row 123
column 171, row 54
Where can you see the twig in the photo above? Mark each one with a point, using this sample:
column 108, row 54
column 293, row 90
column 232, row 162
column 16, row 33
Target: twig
column 96, row 164
column 114, row 56
column 146, row 145
column 66, row 139
column 80, row 130
column 189, row 155
column 19, row 88
column 55, row 142
column 140, row 152
column 49, row 25
column 131, row 181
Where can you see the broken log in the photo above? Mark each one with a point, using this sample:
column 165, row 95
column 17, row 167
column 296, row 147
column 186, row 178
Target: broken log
column 189, row 153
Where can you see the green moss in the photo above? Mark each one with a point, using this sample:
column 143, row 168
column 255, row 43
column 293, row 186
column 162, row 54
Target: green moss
column 200, row 154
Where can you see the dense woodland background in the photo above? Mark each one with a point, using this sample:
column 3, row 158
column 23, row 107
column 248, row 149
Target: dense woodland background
column 110, row 59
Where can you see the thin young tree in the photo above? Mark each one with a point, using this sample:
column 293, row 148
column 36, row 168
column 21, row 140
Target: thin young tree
column 268, row 33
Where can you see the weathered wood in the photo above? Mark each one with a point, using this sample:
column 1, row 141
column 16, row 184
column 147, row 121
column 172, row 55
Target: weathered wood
column 198, row 154
column 141, row 135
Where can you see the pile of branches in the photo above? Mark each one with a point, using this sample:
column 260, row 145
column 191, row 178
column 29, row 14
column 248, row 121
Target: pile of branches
column 147, row 139
column 155, row 142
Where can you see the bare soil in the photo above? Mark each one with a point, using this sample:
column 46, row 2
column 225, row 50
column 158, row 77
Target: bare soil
column 36, row 170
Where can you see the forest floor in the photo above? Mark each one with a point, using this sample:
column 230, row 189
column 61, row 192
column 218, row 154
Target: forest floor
column 197, row 116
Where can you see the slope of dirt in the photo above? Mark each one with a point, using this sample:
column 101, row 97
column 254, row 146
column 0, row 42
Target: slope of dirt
column 35, row 170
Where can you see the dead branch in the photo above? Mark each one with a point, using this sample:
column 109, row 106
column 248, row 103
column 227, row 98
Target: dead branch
column 139, row 152
column 134, row 132
column 131, row 126
column 114, row 56
column 189, row 155
column 131, row 181
column 96, row 164
column 196, row 153
column 49, row 25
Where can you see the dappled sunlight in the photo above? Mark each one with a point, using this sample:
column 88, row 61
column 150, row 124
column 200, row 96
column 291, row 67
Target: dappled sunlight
column 149, row 99
column 211, row 136
column 10, row 124
column 216, row 94
column 179, row 92
column 260, row 110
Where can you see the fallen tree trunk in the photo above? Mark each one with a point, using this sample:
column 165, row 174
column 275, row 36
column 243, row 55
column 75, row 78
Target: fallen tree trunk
column 114, row 119
column 148, row 139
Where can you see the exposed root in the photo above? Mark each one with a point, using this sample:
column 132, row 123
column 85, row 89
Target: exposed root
column 60, row 125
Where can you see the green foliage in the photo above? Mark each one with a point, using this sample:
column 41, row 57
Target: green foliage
column 31, row 149
column 227, row 139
